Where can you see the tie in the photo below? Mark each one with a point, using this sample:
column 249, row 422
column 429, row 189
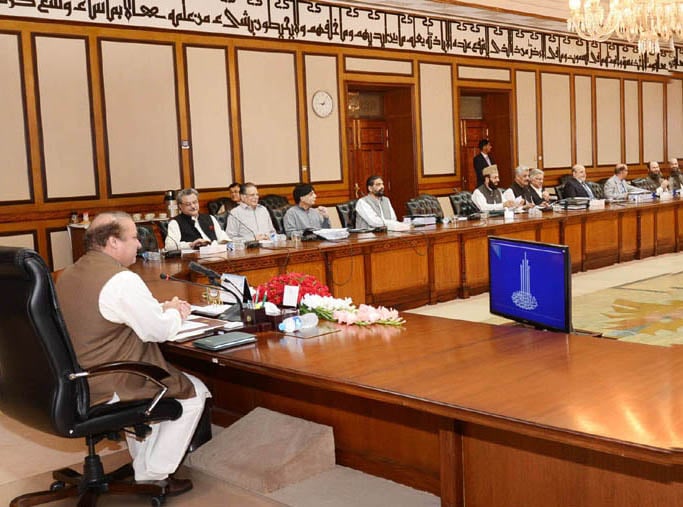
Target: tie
column 588, row 190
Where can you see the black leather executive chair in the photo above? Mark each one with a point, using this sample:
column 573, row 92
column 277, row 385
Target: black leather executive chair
column 347, row 213
column 42, row 385
column 462, row 203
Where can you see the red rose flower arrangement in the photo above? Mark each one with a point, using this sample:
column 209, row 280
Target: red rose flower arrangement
column 308, row 284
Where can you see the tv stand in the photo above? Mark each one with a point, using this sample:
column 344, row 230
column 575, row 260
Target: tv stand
column 582, row 332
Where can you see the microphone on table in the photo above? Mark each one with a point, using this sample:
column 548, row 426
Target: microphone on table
column 207, row 272
column 233, row 313
column 172, row 253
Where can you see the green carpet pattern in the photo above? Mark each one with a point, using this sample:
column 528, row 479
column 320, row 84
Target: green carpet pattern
column 647, row 311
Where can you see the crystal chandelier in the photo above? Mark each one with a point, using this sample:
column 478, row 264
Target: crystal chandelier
column 650, row 22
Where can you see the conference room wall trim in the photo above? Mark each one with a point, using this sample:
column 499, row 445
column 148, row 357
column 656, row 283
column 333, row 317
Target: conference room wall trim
column 14, row 145
column 208, row 99
column 65, row 116
column 139, row 188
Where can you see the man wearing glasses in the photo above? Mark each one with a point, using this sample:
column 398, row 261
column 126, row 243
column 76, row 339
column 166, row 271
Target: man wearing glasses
column 191, row 229
column 249, row 221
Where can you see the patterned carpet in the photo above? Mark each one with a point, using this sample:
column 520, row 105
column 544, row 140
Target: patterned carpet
column 647, row 311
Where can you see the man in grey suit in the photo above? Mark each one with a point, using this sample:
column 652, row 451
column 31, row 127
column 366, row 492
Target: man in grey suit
column 617, row 187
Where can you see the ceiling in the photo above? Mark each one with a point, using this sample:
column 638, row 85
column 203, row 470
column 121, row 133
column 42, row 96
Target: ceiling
column 547, row 15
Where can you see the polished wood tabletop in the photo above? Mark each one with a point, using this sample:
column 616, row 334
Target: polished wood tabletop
column 596, row 393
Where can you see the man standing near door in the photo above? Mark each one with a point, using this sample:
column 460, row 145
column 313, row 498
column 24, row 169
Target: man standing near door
column 483, row 160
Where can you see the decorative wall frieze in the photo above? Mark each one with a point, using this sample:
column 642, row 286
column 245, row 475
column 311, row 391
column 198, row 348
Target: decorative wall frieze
column 322, row 22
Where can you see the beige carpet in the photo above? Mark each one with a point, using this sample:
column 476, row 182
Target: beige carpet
column 39, row 451
column 647, row 311
column 345, row 487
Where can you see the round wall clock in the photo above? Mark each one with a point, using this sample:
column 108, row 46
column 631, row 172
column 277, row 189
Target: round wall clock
column 322, row 103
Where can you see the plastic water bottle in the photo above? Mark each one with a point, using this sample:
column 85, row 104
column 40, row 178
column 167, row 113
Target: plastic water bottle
column 291, row 324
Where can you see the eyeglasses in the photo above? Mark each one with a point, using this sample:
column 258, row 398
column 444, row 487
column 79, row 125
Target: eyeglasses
column 251, row 195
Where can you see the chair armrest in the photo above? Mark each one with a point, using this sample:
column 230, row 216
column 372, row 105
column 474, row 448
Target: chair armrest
column 151, row 372
column 145, row 369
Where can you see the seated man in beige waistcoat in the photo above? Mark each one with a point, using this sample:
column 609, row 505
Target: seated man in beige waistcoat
column 112, row 316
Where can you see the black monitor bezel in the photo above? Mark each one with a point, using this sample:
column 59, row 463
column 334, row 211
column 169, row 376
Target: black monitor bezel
column 567, row 274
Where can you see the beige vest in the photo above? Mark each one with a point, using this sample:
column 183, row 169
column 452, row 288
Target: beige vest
column 97, row 340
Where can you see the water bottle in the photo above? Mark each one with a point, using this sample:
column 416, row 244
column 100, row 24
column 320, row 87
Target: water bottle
column 291, row 324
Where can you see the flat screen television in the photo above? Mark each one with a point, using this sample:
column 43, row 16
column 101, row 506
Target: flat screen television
column 530, row 282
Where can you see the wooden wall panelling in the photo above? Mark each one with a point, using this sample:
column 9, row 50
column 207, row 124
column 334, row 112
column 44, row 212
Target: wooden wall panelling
column 674, row 119
column 528, row 136
column 15, row 177
column 526, row 107
column 582, row 127
column 65, row 112
column 632, row 122
column 653, row 120
column 142, row 117
column 556, row 120
column 607, row 121
column 269, row 116
column 437, row 122
column 323, row 134
column 210, row 139
column 59, row 249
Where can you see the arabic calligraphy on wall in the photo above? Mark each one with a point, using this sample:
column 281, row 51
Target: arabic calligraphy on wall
column 301, row 20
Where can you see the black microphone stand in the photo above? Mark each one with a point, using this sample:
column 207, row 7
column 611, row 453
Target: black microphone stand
column 232, row 314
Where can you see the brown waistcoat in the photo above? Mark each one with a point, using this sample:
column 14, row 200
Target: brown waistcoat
column 97, row 340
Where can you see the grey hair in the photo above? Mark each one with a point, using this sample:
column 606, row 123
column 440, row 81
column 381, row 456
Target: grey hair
column 186, row 192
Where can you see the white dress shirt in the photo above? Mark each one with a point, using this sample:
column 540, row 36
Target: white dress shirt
column 126, row 299
column 173, row 236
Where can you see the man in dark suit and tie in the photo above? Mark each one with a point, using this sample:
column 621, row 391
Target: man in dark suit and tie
column 483, row 160
column 577, row 186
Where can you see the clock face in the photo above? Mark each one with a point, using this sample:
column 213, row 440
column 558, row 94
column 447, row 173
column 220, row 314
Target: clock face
column 322, row 103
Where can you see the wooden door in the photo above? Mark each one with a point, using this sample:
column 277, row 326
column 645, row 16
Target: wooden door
column 402, row 184
column 472, row 131
column 367, row 153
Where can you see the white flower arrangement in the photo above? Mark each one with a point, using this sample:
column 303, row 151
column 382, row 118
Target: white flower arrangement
column 325, row 306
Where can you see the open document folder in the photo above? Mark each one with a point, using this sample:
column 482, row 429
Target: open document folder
column 195, row 326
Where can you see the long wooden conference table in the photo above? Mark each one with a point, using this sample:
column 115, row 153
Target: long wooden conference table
column 428, row 265
column 480, row 415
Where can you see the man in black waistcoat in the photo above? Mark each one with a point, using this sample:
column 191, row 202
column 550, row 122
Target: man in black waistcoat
column 192, row 229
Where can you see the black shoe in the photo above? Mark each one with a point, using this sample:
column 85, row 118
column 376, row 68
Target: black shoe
column 176, row 487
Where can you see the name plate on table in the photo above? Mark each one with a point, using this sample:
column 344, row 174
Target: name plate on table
column 208, row 250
